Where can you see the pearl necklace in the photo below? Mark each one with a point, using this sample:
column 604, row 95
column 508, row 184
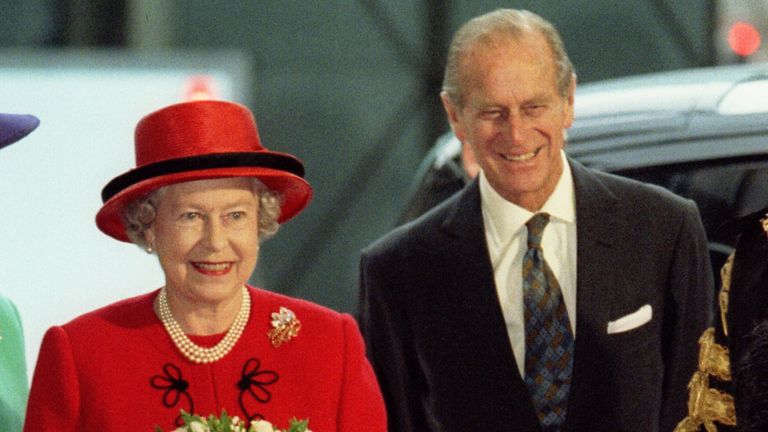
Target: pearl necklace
column 191, row 350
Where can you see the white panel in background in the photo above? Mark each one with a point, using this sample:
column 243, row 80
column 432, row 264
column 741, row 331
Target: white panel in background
column 55, row 263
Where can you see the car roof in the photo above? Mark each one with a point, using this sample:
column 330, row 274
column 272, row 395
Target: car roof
column 663, row 118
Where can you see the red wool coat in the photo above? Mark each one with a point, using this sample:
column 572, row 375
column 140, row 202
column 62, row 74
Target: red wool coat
column 116, row 369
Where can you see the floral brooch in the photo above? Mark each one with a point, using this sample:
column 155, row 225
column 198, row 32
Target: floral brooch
column 285, row 326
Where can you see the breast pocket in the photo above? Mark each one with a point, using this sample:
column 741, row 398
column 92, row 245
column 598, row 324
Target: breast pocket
column 636, row 341
column 642, row 316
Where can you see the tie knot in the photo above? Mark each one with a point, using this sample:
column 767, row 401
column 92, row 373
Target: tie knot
column 535, row 227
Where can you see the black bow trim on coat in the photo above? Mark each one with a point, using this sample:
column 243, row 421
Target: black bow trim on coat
column 175, row 388
column 253, row 385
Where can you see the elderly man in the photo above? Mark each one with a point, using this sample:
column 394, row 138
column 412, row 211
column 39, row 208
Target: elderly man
column 545, row 296
column 13, row 369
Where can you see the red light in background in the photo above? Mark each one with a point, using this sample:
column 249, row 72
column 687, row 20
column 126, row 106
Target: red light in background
column 199, row 87
column 743, row 38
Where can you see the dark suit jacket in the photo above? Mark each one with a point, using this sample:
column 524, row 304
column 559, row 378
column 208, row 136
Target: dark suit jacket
column 438, row 342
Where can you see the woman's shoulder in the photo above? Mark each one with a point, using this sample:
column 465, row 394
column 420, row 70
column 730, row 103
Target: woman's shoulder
column 263, row 297
column 126, row 312
column 304, row 310
column 304, row 327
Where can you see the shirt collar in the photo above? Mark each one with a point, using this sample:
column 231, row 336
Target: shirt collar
column 504, row 218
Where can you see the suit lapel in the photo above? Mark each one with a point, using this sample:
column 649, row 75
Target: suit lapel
column 596, row 224
column 480, row 318
column 596, row 228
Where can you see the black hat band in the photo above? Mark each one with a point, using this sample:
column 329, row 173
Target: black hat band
column 199, row 163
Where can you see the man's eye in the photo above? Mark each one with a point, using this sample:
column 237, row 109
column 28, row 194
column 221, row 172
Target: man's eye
column 237, row 215
column 535, row 110
column 190, row 216
column 493, row 114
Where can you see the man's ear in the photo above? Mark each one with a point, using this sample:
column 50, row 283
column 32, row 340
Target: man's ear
column 452, row 111
column 569, row 103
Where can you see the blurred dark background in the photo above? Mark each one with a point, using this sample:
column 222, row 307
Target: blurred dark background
column 351, row 87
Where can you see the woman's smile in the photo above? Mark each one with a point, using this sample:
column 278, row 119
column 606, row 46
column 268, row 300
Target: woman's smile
column 212, row 268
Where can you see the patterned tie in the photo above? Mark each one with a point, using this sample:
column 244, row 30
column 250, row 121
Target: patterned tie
column 548, row 335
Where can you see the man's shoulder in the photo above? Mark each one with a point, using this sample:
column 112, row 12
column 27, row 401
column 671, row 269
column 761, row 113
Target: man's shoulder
column 417, row 233
column 631, row 203
column 271, row 301
column 635, row 191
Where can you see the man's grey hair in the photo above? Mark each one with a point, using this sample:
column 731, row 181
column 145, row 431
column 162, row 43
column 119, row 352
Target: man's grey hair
column 511, row 22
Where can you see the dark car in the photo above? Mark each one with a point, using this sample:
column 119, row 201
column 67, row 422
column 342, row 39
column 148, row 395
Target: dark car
column 701, row 133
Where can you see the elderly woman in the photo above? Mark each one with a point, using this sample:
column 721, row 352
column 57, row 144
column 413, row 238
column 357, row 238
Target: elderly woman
column 13, row 367
column 203, row 195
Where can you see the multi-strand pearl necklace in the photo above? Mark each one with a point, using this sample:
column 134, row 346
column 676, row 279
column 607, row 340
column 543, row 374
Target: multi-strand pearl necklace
column 191, row 350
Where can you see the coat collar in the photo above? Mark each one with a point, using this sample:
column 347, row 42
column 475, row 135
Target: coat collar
column 593, row 201
column 464, row 216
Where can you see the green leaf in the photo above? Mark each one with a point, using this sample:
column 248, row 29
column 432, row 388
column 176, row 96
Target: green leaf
column 298, row 425
column 223, row 423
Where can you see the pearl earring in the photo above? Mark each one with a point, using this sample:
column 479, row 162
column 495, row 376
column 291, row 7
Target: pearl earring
column 149, row 248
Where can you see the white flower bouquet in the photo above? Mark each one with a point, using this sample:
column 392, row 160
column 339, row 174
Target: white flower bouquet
column 225, row 423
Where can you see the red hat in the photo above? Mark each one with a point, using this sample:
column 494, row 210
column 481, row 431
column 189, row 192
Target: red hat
column 195, row 141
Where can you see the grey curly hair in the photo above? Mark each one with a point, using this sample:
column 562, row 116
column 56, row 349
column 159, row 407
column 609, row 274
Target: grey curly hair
column 512, row 22
column 140, row 214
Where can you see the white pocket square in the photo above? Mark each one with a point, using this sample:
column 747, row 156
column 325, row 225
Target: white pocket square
column 631, row 321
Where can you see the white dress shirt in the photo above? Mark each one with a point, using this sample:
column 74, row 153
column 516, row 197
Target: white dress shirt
column 506, row 235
